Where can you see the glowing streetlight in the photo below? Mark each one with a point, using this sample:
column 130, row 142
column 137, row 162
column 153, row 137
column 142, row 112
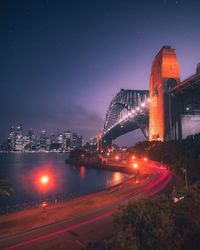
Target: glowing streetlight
column 145, row 159
column 117, row 157
column 44, row 179
column 135, row 165
column 133, row 157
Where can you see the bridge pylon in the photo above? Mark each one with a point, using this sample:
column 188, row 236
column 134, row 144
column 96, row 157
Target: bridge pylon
column 165, row 74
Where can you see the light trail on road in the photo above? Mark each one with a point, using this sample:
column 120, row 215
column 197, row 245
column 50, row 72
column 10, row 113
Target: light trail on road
column 60, row 231
column 154, row 187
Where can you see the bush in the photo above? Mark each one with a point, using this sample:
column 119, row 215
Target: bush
column 159, row 223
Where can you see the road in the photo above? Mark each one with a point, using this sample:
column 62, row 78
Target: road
column 89, row 226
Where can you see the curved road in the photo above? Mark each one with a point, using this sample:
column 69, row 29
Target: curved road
column 93, row 225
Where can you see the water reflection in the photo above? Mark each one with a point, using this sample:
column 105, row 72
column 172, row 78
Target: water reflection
column 24, row 172
column 82, row 172
column 117, row 178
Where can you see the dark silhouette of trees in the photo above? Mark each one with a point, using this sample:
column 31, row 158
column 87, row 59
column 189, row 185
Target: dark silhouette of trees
column 179, row 155
column 159, row 223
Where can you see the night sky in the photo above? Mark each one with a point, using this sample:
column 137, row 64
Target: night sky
column 61, row 62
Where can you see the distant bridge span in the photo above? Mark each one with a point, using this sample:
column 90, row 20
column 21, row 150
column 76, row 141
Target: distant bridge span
column 127, row 111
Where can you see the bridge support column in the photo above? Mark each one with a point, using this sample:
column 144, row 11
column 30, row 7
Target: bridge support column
column 165, row 74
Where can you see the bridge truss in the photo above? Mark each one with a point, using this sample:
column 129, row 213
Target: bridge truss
column 127, row 111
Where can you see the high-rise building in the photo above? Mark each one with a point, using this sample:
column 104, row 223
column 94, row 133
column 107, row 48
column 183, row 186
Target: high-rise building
column 11, row 139
column 19, row 138
column 43, row 140
column 53, row 138
column 26, row 142
column 60, row 139
column 67, row 137
column 32, row 137
column 79, row 141
column 76, row 141
column 30, row 133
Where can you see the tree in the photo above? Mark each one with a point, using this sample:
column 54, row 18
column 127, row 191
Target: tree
column 159, row 223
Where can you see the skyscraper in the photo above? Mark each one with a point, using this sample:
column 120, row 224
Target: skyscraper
column 19, row 138
column 11, row 139
column 43, row 140
column 76, row 141
column 67, row 137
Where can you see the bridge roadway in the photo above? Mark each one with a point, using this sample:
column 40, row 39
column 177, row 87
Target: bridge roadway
column 93, row 224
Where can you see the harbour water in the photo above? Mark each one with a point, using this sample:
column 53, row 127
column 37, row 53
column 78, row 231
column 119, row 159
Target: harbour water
column 24, row 171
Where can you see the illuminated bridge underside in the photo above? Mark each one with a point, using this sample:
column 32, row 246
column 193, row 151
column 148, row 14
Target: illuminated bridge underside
column 127, row 111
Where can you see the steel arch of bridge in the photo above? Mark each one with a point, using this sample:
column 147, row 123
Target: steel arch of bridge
column 127, row 111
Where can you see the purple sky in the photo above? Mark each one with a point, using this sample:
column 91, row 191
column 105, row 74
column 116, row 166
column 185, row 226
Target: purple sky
column 63, row 61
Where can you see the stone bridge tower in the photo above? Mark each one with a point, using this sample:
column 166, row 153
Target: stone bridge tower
column 165, row 74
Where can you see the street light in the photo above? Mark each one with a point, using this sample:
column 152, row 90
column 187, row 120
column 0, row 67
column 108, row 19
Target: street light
column 135, row 165
column 44, row 179
column 186, row 178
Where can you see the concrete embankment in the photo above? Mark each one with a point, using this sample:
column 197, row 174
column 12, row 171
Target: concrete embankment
column 94, row 164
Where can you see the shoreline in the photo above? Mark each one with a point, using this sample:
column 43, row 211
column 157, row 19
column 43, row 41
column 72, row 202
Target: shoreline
column 113, row 168
column 82, row 210
column 51, row 202
column 11, row 224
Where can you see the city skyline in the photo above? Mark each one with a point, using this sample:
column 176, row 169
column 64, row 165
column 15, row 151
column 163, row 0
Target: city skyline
column 19, row 141
column 62, row 63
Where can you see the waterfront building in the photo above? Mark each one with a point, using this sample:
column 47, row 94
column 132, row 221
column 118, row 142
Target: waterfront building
column 67, row 137
column 11, row 139
column 60, row 139
column 26, row 142
column 32, row 137
column 43, row 140
column 74, row 140
column 79, row 141
column 53, row 139
column 19, row 138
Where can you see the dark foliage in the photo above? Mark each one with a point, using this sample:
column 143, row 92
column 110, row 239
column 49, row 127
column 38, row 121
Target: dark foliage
column 180, row 155
column 159, row 223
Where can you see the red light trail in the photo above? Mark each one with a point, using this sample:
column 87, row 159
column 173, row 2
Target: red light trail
column 166, row 177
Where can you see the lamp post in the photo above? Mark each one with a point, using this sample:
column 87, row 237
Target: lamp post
column 186, row 178
column 135, row 166
column 44, row 180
